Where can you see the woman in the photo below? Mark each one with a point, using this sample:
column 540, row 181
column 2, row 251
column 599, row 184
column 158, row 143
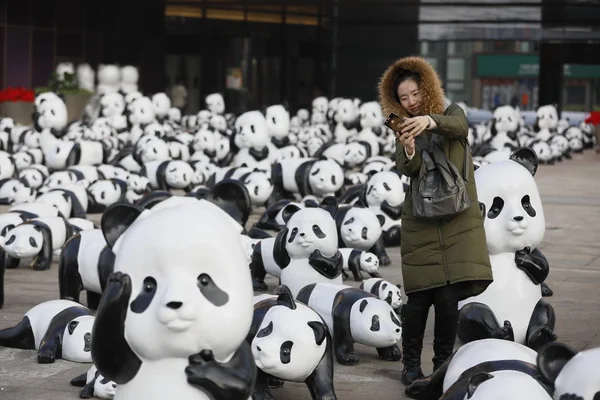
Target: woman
column 442, row 262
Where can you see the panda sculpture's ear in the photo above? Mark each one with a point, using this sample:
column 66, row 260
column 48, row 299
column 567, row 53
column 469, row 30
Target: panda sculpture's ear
column 72, row 325
column 552, row 358
column 320, row 331
column 116, row 219
column 286, row 105
column 359, row 204
column 330, row 204
column 381, row 219
column 153, row 198
column 477, row 380
column 280, row 254
column 288, row 211
column 286, row 298
column 527, row 158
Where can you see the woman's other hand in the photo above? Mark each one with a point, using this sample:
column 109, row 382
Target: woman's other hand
column 408, row 141
column 415, row 126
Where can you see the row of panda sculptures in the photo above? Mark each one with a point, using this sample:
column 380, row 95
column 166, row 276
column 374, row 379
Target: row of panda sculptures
column 170, row 277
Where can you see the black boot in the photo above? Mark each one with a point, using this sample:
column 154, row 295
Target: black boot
column 446, row 326
column 414, row 320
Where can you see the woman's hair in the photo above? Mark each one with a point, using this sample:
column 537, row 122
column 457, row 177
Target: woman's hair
column 404, row 75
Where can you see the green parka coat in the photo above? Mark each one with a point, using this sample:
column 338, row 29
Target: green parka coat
column 436, row 253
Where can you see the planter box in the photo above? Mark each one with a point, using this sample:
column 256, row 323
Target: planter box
column 76, row 105
column 20, row 111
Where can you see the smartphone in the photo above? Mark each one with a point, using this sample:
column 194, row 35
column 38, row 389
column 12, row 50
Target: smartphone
column 394, row 122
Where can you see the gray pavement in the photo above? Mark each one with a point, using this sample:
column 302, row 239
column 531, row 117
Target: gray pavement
column 571, row 196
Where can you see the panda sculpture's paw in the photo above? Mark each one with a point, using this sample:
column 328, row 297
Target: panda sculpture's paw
column 384, row 260
column 546, row 291
column 345, row 275
column 46, row 356
column 347, row 358
column 275, row 383
column 540, row 337
column 505, row 332
column 259, row 286
column 391, row 353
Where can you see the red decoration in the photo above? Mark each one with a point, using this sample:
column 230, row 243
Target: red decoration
column 594, row 118
column 17, row 94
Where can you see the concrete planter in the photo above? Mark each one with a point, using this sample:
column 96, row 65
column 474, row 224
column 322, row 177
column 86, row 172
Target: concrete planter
column 20, row 111
column 76, row 105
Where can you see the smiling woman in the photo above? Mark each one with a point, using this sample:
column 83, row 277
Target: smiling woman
column 442, row 261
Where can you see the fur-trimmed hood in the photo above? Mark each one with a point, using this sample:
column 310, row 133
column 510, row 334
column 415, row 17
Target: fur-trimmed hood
column 430, row 87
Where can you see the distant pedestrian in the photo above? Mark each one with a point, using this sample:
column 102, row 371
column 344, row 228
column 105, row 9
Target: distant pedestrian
column 179, row 95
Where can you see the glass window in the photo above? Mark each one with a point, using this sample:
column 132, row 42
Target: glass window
column 451, row 48
column 424, row 48
column 455, row 69
column 433, row 62
column 524, row 47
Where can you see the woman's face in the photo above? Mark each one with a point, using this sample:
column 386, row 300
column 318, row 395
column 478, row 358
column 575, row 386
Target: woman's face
column 410, row 96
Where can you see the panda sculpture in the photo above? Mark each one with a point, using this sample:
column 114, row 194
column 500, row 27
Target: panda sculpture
column 487, row 369
column 306, row 176
column 104, row 193
column 356, row 261
column 572, row 375
column 354, row 315
column 93, row 384
column 85, row 263
column 290, row 342
column 272, row 218
column 37, row 238
column 174, row 315
column 514, row 226
column 56, row 329
column 167, row 175
column 385, row 290
column 359, row 227
column 307, row 249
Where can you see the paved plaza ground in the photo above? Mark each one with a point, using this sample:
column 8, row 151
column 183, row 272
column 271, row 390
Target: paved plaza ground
column 571, row 197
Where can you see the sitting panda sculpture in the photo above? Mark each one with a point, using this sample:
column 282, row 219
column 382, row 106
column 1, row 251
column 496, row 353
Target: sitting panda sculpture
column 291, row 342
column 173, row 323
column 514, row 226
column 307, row 249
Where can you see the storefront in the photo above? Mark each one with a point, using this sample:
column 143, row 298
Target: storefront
column 513, row 79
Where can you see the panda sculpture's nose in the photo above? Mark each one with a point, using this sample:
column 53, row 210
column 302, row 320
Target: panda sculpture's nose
column 174, row 304
column 518, row 218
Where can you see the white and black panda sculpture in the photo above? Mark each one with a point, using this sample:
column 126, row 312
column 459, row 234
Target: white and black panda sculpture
column 85, row 263
column 487, row 369
column 358, row 261
column 307, row 249
column 56, row 329
column 354, row 315
column 514, row 226
column 290, row 342
column 174, row 316
column 572, row 375
column 385, row 290
column 37, row 238
column 93, row 384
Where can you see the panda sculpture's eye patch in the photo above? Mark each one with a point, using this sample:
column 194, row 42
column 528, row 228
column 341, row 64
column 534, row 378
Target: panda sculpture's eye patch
column 317, row 230
column 316, row 171
column 370, row 188
column 364, row 232
column 211, row 291
column 87, row 342
column 32, row 242
column 363, row 305
column 333, row 180
column 383, row 286
column 143, row 300
column 252, row 128
column 526, row 203
column 256, row 190
column 293, row 235
column 266, row 331
column 375, row 323
column 596, row 396
column 285, row 353
column 5, row 230
column 496, row 208
column 369, row 259
column 11, row 239
column 386, row 186
column 104, row 381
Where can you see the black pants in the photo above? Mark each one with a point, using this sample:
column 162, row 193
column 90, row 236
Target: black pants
column 414, row 314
